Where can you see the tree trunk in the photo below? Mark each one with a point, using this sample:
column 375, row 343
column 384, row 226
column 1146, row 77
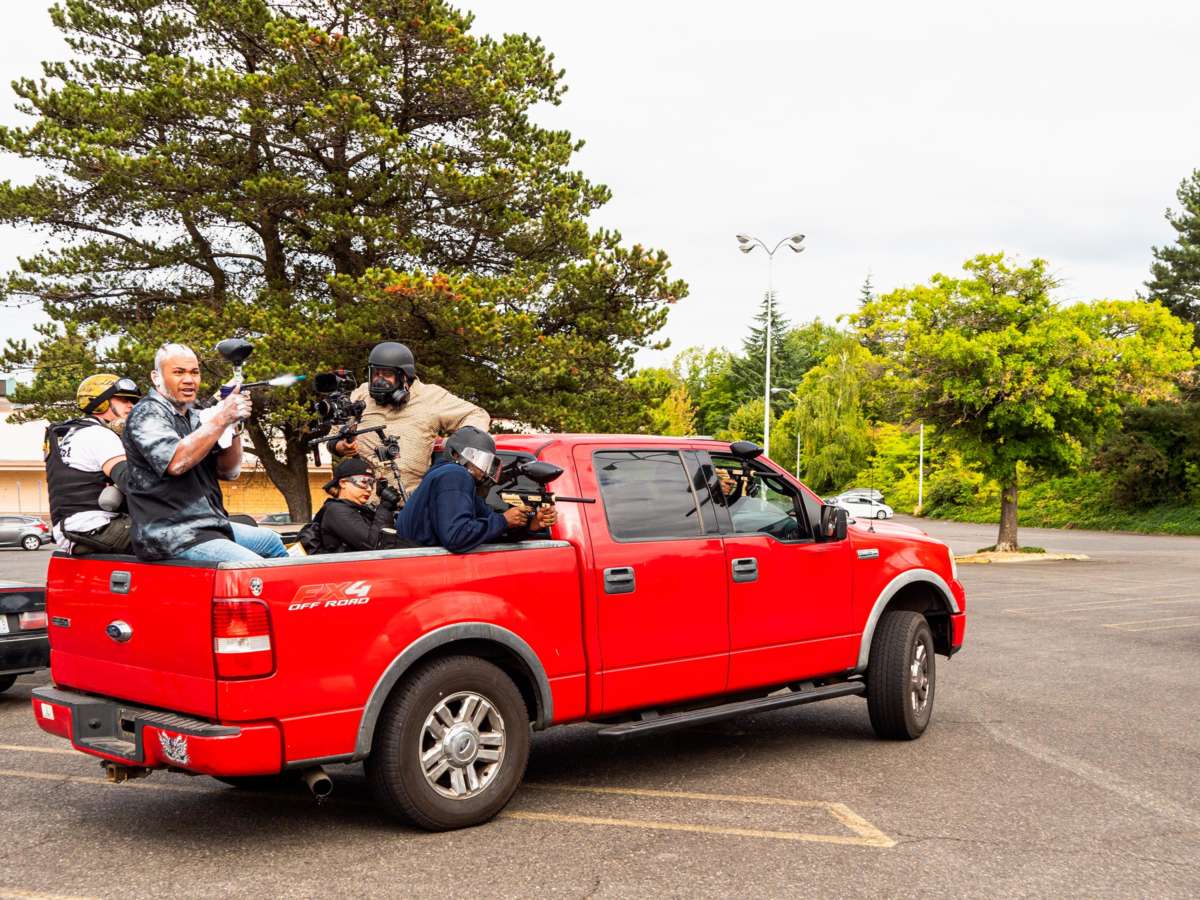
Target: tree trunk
column 291, row 475
column 1006, row 542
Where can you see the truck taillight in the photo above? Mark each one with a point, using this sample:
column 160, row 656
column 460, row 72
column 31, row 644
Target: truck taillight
column 31, row 621
column 242, row 638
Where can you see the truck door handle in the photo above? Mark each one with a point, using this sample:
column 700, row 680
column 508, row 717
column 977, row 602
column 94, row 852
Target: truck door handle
column 745, row 569
column 619, row 580
column 118, row 582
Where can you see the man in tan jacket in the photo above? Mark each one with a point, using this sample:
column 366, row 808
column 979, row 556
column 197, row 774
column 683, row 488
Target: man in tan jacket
column 413, row 412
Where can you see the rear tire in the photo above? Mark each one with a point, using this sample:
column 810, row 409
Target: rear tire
column 901, row 676
column 31, row 542
column 451, row 745
column 7, row 681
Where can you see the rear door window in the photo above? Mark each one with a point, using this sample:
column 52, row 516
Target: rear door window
column 647, row 495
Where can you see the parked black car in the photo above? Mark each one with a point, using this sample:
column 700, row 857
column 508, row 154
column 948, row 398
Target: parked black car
column 24, row 639
column 29, row 532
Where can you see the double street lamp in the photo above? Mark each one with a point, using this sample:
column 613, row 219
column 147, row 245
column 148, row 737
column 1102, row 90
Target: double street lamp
column 747, row 243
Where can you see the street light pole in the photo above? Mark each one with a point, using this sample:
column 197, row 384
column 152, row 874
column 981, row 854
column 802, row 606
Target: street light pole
column 746, row 244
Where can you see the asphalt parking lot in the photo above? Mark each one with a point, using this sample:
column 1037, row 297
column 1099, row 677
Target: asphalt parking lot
column 1063, row 760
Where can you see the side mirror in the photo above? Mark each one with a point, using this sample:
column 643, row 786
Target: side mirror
column 833, row 523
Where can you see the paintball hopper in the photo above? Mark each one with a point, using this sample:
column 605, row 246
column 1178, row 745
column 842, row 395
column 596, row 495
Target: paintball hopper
column 235, row 350
column 537, row 471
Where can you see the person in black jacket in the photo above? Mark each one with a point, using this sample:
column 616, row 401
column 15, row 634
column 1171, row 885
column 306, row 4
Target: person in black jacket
column 348, row 521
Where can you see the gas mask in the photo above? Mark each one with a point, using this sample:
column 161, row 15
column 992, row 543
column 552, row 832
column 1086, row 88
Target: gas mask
column 385, row 390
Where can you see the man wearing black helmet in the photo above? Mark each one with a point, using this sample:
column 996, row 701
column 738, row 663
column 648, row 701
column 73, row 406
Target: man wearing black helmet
column 447, row 510
column 413, row 412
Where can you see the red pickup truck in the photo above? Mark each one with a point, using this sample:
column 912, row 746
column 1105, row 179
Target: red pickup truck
column 703, row 582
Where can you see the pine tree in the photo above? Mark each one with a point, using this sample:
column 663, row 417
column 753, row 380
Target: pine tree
column 749, row 367
column 866, row 293
column 1175, row 280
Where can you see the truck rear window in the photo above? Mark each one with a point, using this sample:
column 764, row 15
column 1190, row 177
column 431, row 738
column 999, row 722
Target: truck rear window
column 647, row 494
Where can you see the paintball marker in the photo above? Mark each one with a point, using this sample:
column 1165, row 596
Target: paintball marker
column 236, row 351
column 541, row 474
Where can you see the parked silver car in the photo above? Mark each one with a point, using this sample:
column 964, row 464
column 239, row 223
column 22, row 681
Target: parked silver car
column 28, row 532
column 864, row 507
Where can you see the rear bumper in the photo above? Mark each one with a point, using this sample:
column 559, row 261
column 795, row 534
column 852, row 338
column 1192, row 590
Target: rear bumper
column 135, row 736
column 24, row 652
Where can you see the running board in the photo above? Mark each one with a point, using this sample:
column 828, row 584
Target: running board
column 728, row 710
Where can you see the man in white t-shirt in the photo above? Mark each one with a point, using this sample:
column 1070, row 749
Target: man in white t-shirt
column 83, row 457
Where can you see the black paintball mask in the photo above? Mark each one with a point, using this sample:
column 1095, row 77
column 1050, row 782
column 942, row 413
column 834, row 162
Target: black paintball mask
column 387, row 386
column 391, row 369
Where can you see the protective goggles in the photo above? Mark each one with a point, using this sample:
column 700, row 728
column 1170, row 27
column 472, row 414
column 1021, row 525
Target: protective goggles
column 122, row 387
column 366, row 482
column 487, row 463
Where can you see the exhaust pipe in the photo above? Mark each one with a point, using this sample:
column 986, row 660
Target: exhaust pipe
column 320, row 785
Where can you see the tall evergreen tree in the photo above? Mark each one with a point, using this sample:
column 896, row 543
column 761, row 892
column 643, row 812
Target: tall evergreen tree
column 1175, row 273
column 320, row 175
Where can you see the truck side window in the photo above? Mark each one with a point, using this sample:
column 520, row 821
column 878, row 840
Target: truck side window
column 759, row 502
column 647, row 494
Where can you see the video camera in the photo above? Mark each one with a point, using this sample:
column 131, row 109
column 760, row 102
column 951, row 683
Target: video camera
column 334, row 406
column 335, row 409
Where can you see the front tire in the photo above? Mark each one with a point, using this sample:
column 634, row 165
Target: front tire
column 451, row 746
column 881, row 515
column 901, row 676
column 7, row 681
column 31, row 542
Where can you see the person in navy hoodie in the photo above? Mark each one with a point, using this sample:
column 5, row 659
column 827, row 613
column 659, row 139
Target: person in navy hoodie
column 447, row 509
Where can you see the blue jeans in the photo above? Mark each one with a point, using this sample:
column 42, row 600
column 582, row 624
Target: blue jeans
column 248, row 544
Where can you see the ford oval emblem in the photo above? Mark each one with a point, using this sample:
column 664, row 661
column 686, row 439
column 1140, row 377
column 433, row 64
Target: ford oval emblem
column 256, row 587
column 119, row 631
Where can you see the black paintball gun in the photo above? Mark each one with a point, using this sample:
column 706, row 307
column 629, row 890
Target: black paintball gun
column 236, row 351
column 540, row 473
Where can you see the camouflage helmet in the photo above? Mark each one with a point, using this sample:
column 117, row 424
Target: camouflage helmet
column 95, row 391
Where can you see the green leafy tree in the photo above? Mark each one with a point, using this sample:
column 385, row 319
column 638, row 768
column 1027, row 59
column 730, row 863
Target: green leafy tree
column 746, row 423
column 828, row 421
column 1175, row 272
column 1011, row 379
column 319, row 175
column 708, row 374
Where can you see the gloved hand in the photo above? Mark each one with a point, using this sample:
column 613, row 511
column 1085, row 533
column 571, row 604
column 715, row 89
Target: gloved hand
column 388, row 495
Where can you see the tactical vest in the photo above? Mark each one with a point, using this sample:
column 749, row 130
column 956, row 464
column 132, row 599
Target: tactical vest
column 71, row 491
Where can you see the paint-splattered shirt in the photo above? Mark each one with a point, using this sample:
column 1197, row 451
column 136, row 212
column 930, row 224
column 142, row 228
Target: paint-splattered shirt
column 170, row 512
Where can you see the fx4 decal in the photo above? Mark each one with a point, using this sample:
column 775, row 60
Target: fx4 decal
column 339, row 593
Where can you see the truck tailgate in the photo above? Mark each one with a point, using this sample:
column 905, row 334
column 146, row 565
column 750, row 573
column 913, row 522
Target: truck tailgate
column 133, row 631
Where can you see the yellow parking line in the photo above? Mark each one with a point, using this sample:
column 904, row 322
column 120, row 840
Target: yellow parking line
column 1160, row 627
column 1148, row 621
column 867, row 835
column 1079, row 606
column 69, row 751
column 89, row 779
column 19, row 894
column 678, row 795
column 701, row 829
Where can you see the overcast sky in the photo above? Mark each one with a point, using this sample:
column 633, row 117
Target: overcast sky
column 901, row 138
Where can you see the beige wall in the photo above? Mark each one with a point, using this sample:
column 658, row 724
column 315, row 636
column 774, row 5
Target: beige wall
column 24, row 492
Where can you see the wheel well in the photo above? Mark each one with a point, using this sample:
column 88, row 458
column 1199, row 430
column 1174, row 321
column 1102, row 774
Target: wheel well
column 507, row 660
column 922, row 597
